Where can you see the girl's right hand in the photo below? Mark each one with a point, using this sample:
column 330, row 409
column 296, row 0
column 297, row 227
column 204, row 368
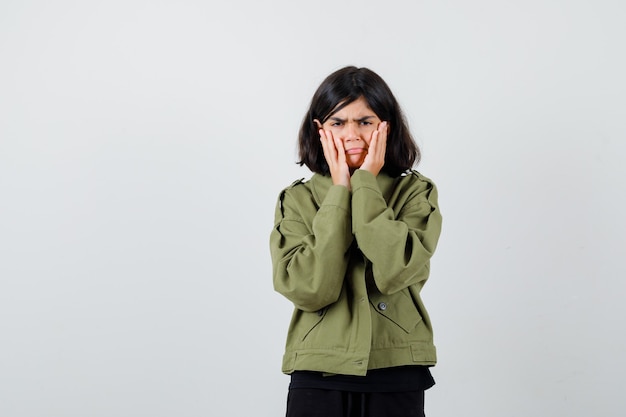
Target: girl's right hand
column 335, row 156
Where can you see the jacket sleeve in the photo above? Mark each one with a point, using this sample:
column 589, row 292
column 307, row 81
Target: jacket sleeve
column 309, row 247
column 399, row 245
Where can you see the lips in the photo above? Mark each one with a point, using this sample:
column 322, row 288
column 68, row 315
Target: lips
column 355, row 151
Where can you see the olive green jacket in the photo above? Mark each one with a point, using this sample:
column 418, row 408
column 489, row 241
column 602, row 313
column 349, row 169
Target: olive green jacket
column 353, row 264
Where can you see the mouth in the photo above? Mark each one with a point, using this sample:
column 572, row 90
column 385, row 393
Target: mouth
column 355, row 151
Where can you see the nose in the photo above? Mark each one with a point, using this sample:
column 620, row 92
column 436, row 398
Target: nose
column 352, row 132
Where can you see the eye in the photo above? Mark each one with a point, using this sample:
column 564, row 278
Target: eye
column 334, row 124
column 365, row 123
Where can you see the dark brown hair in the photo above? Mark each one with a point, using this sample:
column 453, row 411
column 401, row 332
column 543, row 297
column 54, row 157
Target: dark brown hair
column 341, row 88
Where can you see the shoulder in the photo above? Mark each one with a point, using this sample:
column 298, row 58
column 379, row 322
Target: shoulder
column 416, row 189
column 294, row 184
column 293, row 192
column 416, row 180
column 298, row 186
column 421, row 191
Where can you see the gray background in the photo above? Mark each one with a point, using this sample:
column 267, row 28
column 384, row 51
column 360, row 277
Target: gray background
column 143, row 145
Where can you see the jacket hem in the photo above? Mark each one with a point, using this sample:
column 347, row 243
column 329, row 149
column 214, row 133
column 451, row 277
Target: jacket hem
column 335, row 362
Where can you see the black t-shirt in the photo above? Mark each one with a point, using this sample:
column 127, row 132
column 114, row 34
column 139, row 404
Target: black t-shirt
column 397, row 379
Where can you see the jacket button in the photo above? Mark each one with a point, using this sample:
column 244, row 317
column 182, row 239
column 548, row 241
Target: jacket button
column 382, row 306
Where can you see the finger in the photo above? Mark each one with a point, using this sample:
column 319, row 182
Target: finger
column 375, row 158
column 330, row 151
column 372, row 149
column 328, row 154
column 382, row 137
column 332, row 145
column 378, row 142
column 341, row 151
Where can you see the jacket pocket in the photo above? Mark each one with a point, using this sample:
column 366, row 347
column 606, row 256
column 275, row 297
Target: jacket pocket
column 305, row 322
column 398, row 308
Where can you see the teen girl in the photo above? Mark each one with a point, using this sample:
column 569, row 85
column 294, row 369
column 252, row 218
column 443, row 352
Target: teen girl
column 351, row 249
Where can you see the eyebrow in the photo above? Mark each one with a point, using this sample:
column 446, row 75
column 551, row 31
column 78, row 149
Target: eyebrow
column 362, row 119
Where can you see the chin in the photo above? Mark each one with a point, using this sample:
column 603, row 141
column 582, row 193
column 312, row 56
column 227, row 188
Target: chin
column 355, row 164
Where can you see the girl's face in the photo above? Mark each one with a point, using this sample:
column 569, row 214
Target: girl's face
column 354, row 126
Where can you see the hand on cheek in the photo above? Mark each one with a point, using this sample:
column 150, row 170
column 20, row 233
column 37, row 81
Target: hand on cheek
column 335, row 156
column 375, row 158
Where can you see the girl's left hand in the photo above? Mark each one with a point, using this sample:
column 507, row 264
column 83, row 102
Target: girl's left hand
column 375, row 158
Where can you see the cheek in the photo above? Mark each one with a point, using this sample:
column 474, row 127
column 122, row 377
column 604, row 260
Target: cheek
column 367, row 136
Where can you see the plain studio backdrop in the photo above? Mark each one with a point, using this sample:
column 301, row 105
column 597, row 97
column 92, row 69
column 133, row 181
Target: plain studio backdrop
column 143, row 145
